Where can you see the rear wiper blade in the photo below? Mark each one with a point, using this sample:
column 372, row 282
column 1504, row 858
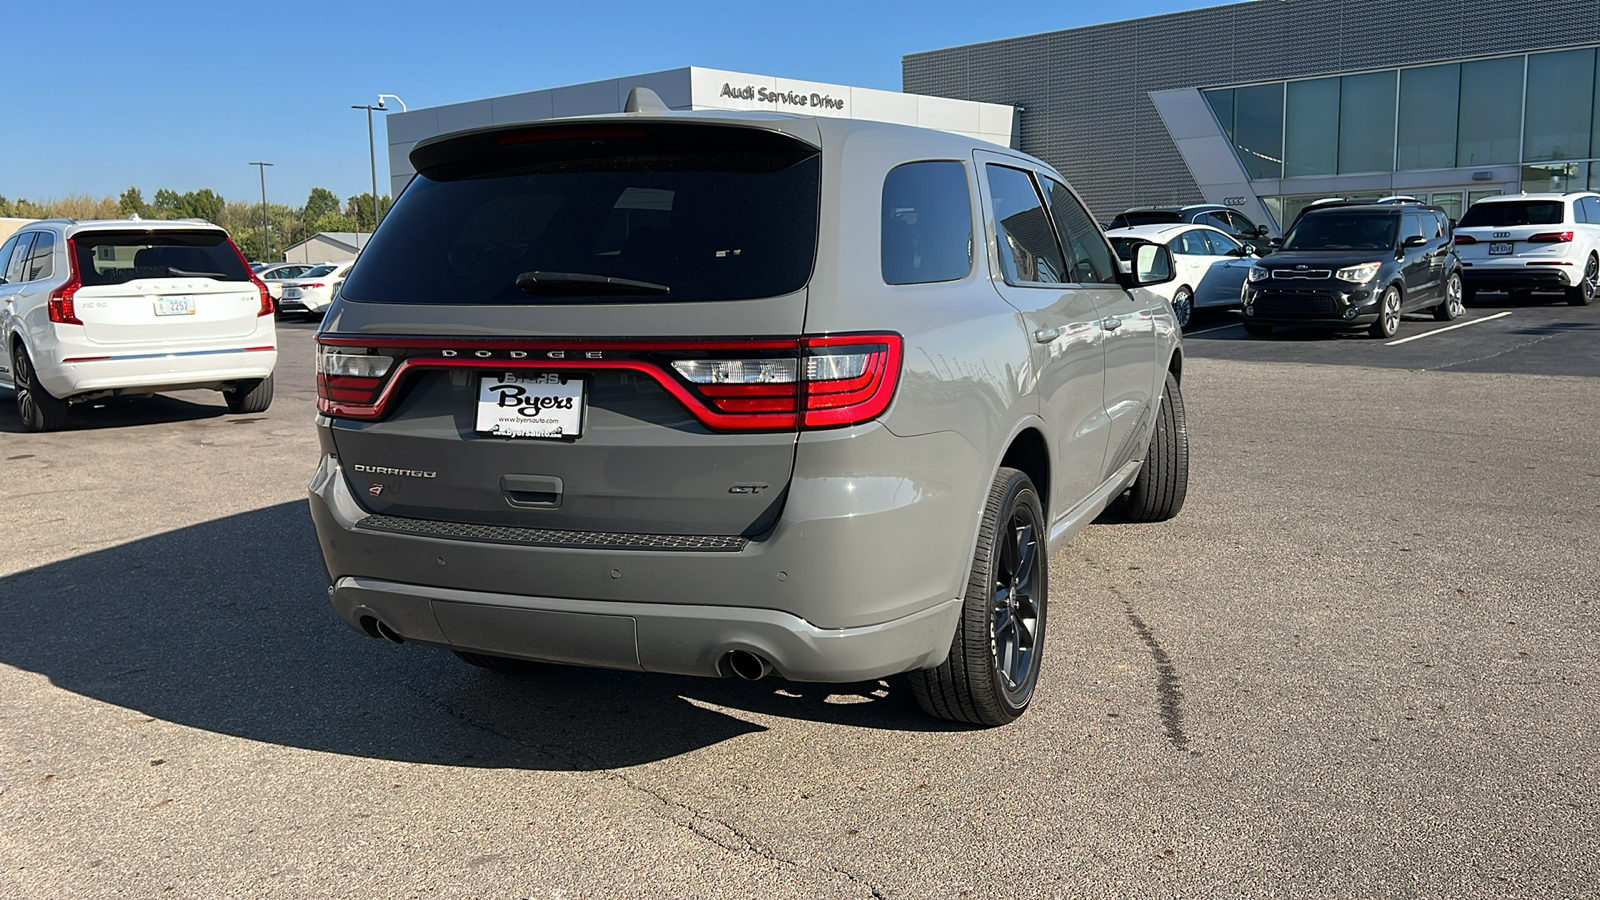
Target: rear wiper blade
column 579, row 283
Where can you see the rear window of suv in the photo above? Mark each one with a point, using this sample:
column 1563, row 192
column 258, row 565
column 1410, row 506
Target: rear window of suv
column 1511, row 213
column 712, row 216
column 1148, row 217
column 1343, row 231
column 117, row 257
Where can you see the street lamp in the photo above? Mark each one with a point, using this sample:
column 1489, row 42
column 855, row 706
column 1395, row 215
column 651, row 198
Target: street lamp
column 266, row 241
column 372, row 156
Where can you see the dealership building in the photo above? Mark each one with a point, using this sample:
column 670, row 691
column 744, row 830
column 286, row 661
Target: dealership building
column 1264, row 106
column 1269, row 105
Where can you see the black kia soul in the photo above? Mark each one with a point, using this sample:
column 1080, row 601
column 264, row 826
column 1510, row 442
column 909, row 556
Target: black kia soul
column 1354, row 267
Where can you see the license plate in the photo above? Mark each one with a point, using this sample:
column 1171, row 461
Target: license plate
column 530, row 405
column 291, row 293
column 1501, row 248
column 174, row 306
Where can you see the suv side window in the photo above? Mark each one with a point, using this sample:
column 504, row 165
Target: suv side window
column 1028, row 249
column 1410, row 226
column 5, row 253
column 19, row 255
column 927, row 223
column 1092, row 262
column 39, row 261
column 1591, row 208
column 1241, row 225
column 1215, row 220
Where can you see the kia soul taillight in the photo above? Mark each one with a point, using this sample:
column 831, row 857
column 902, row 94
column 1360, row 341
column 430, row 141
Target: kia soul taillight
column 764, row 384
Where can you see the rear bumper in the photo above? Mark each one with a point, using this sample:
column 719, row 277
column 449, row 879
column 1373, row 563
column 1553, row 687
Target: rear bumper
column 1479, row 276
column 649, row 637
column 153, row 370
column 860, row 578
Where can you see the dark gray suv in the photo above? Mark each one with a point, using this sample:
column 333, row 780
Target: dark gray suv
column 737, row 394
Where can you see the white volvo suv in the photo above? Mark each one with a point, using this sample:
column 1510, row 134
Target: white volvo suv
column 103, row 308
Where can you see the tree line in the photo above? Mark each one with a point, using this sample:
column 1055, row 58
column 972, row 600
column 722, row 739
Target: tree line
column 286, row 225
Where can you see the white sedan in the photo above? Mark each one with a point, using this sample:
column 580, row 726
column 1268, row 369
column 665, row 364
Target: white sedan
column 275, row 274
column 1211, row 265
column 314, row 291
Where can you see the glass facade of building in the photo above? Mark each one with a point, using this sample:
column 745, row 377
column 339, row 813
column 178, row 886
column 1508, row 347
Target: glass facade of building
column 1537, row 111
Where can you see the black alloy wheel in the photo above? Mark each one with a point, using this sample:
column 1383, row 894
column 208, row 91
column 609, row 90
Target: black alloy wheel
column 993, row 666
column 1388, row 314
column 1582, row 293
column 39, row 410
column 1183, row 306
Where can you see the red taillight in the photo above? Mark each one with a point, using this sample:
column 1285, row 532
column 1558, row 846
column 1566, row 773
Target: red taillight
column 59, row 305
column 1466, row 239
column 307, row 287
column 728, row 385
column 261, row 286
column 1552, row 237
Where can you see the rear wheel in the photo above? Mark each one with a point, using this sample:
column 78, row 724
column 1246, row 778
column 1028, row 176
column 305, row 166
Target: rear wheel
column 1183, row 306
column 39, row 409
column 1453, row 305
column 1582, row 293
column 1163, row 483
column 1388, row 314
column 993, row 666
column 250, row 396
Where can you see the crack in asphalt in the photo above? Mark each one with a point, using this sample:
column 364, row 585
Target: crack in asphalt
column 1169, row 687
column 699, row 824
column 1510, row 349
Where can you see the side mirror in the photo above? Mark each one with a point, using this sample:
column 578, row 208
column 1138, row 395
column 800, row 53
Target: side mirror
column 1262, row 231
column 1275, row 242
column 1415, row 240
column 1152, row 264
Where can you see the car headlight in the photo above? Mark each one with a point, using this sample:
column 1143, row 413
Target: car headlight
column 1257, row 274
column 1359, row 274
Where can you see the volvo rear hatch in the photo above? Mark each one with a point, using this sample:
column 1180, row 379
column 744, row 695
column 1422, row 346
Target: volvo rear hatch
column 592, row 326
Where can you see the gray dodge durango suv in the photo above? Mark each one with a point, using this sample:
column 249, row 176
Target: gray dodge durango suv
column 737, row 394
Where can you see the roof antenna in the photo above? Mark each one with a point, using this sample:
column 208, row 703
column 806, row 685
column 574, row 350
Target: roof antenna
column 644, row 100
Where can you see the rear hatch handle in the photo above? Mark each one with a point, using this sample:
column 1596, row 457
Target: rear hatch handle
column 538, row 491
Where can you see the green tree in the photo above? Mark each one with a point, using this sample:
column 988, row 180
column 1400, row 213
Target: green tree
column 167, row 203
column 322, row 202
column 132, row 203
column 202, row 204
column 360, row 209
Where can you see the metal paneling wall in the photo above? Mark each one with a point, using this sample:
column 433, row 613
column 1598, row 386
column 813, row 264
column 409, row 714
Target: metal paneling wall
column 1086, row 91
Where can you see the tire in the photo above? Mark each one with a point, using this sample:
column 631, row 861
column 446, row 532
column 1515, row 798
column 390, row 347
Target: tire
column 993, row 667
column 1388, row 314
column 1582, row 293
column 250, row 396
column 1453, row 305
column 1163, row 483
column 502, row 664
column 38, row 408
column 1257, row 330
column 1183, row 306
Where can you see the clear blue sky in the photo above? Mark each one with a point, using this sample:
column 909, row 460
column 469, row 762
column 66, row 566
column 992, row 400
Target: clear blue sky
column 183, row 94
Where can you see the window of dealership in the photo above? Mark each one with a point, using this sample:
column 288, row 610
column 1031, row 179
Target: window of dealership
column 1538, row 111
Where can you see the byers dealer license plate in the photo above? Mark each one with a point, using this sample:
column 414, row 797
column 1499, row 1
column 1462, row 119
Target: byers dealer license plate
column 520, row 404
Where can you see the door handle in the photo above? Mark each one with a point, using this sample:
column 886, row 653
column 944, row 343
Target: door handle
column 1111, row 323
column 1046, row 335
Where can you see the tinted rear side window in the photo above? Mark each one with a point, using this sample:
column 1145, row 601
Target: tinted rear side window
column 1343, row 231
column 927, row 223
column 1028, row 249
column 1512, row 213
column 706, row 223
column 116, row 257
column 1152, row 217
column 41, row 261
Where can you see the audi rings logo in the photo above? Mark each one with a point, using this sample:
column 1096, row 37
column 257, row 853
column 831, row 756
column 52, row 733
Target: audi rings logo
column 1234, row 201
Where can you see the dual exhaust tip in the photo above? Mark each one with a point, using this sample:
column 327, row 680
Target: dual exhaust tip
column 743, row 663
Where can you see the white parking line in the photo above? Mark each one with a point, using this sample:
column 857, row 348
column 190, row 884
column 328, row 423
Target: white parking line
column 1500, row 315
column 1188, row 334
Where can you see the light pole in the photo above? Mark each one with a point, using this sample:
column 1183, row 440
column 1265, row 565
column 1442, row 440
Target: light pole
column 372, row 157
column 266, row 241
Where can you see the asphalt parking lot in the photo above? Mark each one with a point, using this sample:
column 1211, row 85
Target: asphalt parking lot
column 1358, row 664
